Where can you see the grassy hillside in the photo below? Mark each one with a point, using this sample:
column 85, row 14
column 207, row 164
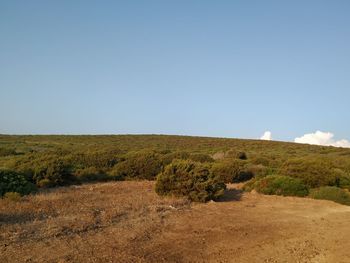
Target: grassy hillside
column 47, row 161
column 207, row 145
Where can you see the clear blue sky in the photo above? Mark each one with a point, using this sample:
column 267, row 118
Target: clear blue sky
column 214, row 68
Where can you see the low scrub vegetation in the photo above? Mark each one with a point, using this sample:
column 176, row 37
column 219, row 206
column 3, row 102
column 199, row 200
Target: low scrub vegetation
column 49, row 161
column 314, row 172
column 331, row 193
column 232, row 171
column 280, row 185
column 190, row 179
column 12, row 196
column 91, row 174
column 168, row 157
column 140, row 165
column 7, row 152
column 344, row 182
column 56, row 172
column 237, row 171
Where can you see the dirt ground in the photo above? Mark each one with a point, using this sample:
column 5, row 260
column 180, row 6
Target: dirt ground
column 128, row 222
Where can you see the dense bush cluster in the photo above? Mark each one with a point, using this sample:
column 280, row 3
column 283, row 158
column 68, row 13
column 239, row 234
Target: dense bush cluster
column 237, row 171
column 190, row 179
column 49, row 161
column 140, row 165
column 168, row 157
column 13, row 182
column 280, row 185
column 314, row 172
column 55, row 172
column 343, row 181
column 99, row 159
column 232, row 171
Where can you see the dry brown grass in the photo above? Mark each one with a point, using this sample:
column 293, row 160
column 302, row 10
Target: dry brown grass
column 128, row 222
column 90, row 223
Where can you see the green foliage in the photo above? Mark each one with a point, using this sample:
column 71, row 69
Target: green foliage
column 167, row 158
column 249, row 186
column 91, row 174
column 12, row 196
column 342, row 178
column 45, row 183
column 140, row 165
column 7, row 151
column 258, row 170
column 331, row 193
column 196, row 157
column 232, row 171
column 260, row 160
column 190, row 179
column 55, row 171
column 281, row 185
column 314, row 172
column 236, row 154
column 98, row 159
column 90, row 158
column 200, row 157
column 344, row 182
column 13, row 182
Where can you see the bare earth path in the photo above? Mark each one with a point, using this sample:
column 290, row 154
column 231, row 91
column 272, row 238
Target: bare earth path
column 128, row 222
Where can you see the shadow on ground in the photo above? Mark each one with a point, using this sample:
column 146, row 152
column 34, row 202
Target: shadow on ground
column 231, row 195
column 18, row 218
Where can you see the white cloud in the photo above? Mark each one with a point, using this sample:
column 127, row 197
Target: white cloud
column 322, row 138
column 267, row 136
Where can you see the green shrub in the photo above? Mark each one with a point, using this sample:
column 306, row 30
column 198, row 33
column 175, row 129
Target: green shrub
column 99, row 159
column 281, row 185
column 141, row 165
column 12, row 196
column 55, row 171
column 232, row 171
column 14, row 182
column 331, row 193
column 344, row 182
column 258, row 170
column 169, row 157
column 45, row 183
column 342, row 178
column 7, row 152
column 91, row 174
column 200, row 157
column 314, row 172
column 236, row 154
column 197, row 157
column 190, row 179
column 259, row 160
column 249, row 186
